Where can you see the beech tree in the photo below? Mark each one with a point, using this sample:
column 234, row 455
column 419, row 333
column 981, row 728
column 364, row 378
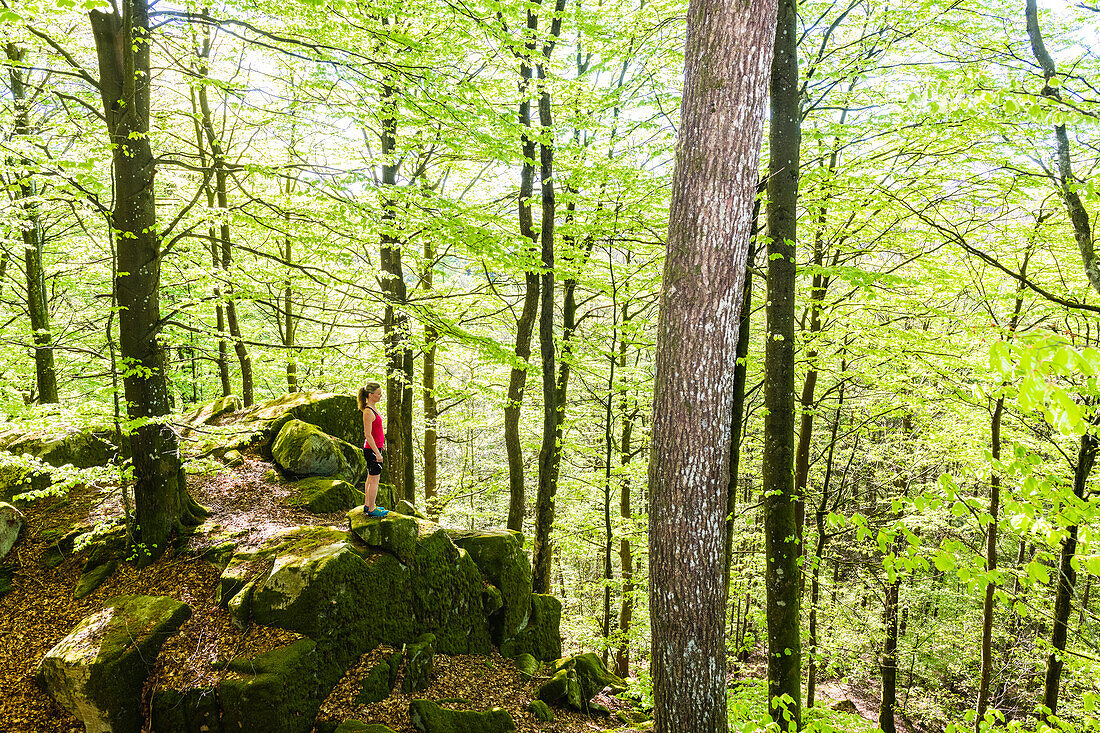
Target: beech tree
column 726, row 68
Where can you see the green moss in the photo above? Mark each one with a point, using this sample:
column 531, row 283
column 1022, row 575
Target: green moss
column 577, row 680
column 356, row 726
column 541, row 711
column 117, row 647
column 541, row 637
column 378, row 684
column 419, row 664
column 92, row 578
column 527, row 665
column 564, row 689
column 428, row 717
column 447, row 590
column 325, row 495
column 195, row 709
column 500, row 557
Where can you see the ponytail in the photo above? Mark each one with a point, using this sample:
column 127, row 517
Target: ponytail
column 365, row 392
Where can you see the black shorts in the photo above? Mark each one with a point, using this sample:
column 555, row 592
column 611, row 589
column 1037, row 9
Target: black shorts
column 374, row 468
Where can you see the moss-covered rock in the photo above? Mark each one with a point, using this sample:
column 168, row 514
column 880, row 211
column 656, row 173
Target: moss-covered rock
column 93, row 577
column 357, row 726
column 541, row 635
column 527, row 665
column 7, row 574
column 11, row 521
column 217, row 428
column 576, row 680
column 271, row 692
column 98, row 670
column 447, row 590
column 395, row 533
column 320, row 495
column 428, row 717
column 60, row 444
column 194, row 710
column 18, row 476
column 419, row 664
column 378, row 684
column 303, row 449
column 499, row 556
column 541, row 711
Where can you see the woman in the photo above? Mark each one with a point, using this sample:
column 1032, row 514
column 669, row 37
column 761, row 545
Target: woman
column 374, row 442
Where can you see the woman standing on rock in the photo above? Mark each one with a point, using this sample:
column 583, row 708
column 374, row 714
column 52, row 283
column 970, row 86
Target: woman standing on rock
column 374, row 442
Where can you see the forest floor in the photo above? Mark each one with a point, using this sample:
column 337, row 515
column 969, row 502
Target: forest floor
column 40, row 610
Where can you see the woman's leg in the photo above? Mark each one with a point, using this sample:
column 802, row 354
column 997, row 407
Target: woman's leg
column 371, row 491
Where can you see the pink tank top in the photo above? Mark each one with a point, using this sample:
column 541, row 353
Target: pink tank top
column 376, row 432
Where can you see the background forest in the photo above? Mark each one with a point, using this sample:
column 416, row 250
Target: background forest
column 468, row 202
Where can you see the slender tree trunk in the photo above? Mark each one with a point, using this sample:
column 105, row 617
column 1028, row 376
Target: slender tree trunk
column 517, row 382
column 221, row 174
column 819, row 552
column 740, row 377
column 626, row 560
column 710, row 217
column 889, row 665
column 162, row 503
column 26, row 203
column 782, row 575
column 550, row 452
column 991, row 530
column 1067, row 578
column 431, row 408
column 609, row 445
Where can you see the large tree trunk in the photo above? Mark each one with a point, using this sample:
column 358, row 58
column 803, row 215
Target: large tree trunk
column 517, row 382
column 782, row 574
column 26, row 202
column 550, row 452
column 398, row 466
column 162, row 503
column 725, row 75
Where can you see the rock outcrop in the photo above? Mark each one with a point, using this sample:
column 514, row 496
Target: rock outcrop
column 98, row 670
column 320, row 495
column 429, row 717
column 576, row 680
column 223, row 425
column 11, row 521
column 61, row 446
column 303, row 449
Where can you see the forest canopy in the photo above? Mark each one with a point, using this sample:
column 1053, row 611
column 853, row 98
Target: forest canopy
column 468, row 203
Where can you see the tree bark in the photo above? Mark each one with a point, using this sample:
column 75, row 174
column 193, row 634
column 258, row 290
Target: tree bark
column 550, row 452
column 626, row 560
column 398, row 467
column 162, row 503
column 727, row 58
column 740, row 377
column 991, row 530
column 517, row 382
column 819, row 551
column 431, row 407
column 221, row 174
column 1067, row 578
column 26, row 203
column 782, row 574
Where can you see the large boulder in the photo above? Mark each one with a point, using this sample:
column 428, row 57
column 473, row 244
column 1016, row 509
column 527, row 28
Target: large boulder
column 541, row 634
column 274, row 692
column 20, row 475
column 320, row 495
column 499, row 556
column 208, row 432
column 98, row 670
column 61, row 445
column 429, row 717
column 576, row 680
column 303, row 449
column 11, row 521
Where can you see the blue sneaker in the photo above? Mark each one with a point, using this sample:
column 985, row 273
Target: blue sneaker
column 378, row 512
